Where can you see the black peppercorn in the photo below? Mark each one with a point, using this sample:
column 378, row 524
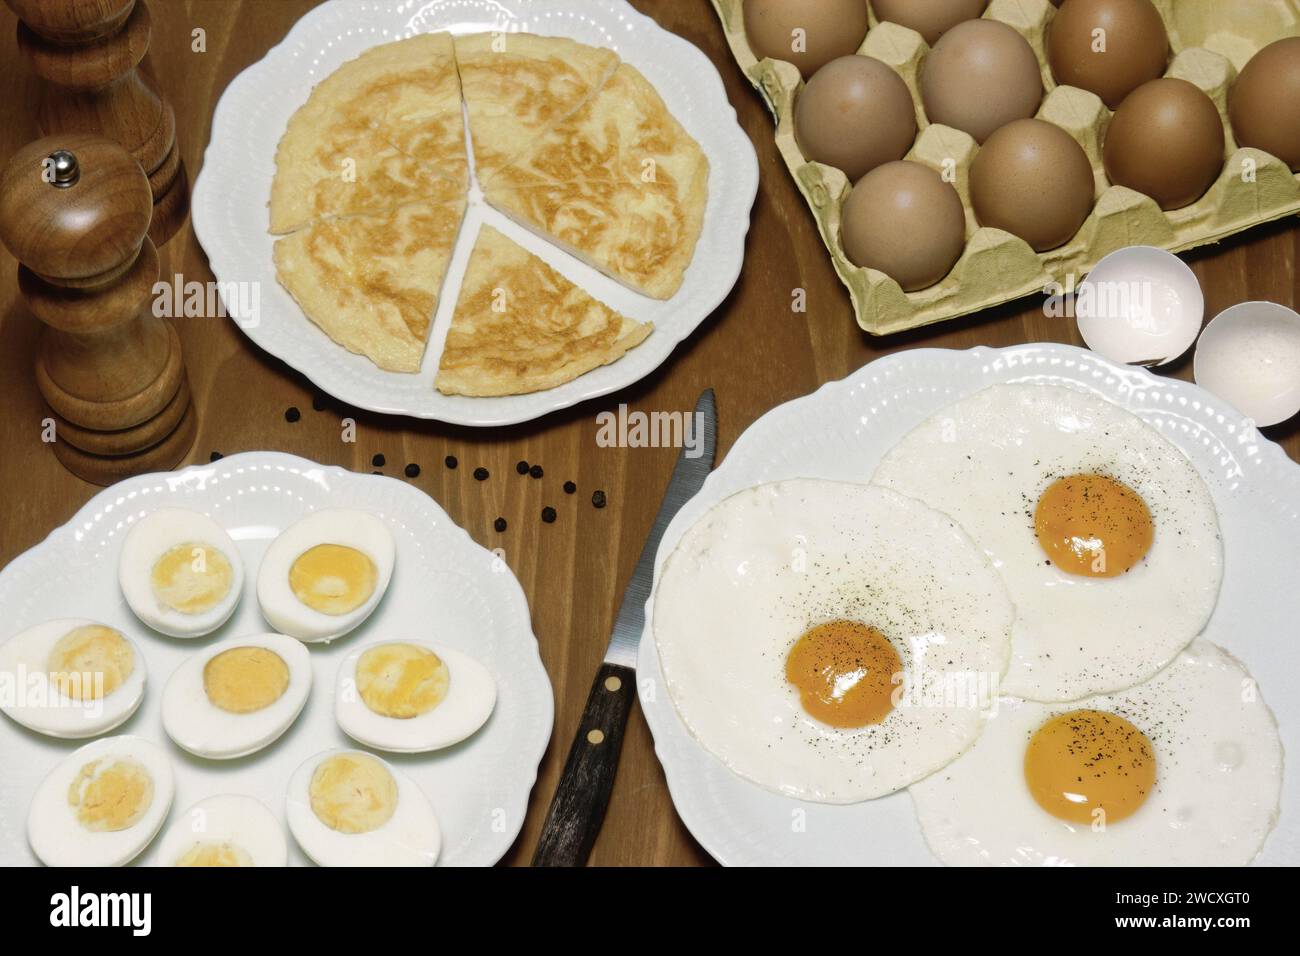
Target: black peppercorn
column 570, row 487
column 536, row 471
column 499, row 524
column 598, row 499
column 548, row 514
column 522, row 467
column 412, row 470
column 450, row 461
column 292, row 414
column 481, row 473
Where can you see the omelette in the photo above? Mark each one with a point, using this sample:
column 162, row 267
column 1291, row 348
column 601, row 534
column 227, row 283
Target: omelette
column 520, row 326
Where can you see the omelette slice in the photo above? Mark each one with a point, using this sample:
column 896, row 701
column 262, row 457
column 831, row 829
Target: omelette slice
column 517, row 86
column 520, row 326
column 383, row 129
column 619, row 183
column 372, row 283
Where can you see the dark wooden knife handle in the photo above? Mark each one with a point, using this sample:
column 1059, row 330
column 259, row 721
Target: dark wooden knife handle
column 578, row 807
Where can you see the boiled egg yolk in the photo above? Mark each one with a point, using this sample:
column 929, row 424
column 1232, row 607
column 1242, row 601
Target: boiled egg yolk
column 244, row 679
column 402, row 680
column 333, row 578
column 1089, row 766
column 353, row 793
column 845, row 673
column 90, row 662
column 1092, row 525
column 111, row 797
column 215, row 853
column 191, row 578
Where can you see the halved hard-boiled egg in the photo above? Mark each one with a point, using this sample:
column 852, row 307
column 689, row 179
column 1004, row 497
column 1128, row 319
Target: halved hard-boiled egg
column 226, row 830
column 180, row 572
column 410, row 697
column 102, row 804
column 71, row 677
column 236, row 697
column 349, row 808
column 325, row 574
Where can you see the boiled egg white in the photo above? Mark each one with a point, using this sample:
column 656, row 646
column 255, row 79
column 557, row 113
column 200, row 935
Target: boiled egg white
column 349, row 808
column 226, row 830
column 411, row 697
column 71, row 678
column 180, row 572
column 236, row 697
column 102, row 804
column 325, row 574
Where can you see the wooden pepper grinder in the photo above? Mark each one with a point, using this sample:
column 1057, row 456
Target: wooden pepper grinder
column 90, row 52
column 75, row 212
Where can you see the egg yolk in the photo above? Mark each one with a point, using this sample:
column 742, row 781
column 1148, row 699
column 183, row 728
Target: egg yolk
column 333, row 578
column 845, row 673
column 113, row 797
column 402, row 680
column 90, row 662
column 353, row 793
column 1086, row 766
column 1093, row 526
column 244, row 679
column 215, row 853
column 191, row 578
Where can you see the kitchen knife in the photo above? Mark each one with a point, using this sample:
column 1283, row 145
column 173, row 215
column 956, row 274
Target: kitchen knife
column 578, row 807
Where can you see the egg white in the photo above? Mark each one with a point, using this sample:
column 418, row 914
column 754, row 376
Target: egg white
column 471, row 696
column 204, row 729
column 148, row 540
column 1218, row 779
column 410, row 837
column 227, row 818
column 986, row 461
column 762, row 567
column 59, row 839
column 38, row 704
column 354, row 529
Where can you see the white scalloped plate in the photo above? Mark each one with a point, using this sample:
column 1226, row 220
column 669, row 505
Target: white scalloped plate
column 229, row 206
column 841, row 431
column 444, row 588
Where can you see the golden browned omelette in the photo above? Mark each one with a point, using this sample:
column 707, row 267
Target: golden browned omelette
column 520, row 326
column 372, row 282
column 618, row 183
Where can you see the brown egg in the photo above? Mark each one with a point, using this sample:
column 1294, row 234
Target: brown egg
column 854, row 114
column 1032, row 179
column 904, row 220
column 930, row 18
column 1166, row 141
column 1131, row 48
column 1264, row 104
column 981, row 74
column 807, row 33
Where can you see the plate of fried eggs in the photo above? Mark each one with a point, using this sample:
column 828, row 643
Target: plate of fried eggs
column 264, row 661
column 1015, row 607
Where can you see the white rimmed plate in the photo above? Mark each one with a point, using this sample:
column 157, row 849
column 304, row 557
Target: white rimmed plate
column 841, row 431
column 445, row 588
column 229, row 206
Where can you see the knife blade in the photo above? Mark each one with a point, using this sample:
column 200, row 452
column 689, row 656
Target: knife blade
column 582, row 795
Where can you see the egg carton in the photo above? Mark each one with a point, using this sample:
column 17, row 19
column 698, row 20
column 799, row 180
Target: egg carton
column 1211, row 41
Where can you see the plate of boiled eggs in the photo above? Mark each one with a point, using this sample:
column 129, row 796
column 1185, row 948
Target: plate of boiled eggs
column 265, row 661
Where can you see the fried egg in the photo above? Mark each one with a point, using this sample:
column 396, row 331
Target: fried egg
column 828, row 641
column 180, row 572
column 71, row 677
column 1105, row 534
column 226, row 830
column 411, row 697
column 1183, row 770
column 102, row 804
column 325, row 574
column 349, row 808
column 238, row 696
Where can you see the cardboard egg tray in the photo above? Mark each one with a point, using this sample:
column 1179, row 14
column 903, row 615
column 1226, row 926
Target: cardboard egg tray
column 1210, row 41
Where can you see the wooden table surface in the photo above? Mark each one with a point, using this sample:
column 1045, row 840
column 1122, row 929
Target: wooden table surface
column 753, row 351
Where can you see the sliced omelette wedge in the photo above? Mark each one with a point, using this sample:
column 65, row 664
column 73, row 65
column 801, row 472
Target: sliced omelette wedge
column 517, row 86
column 372, row 283
column 520, row 326
column 383, row 129
column 619, row 183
